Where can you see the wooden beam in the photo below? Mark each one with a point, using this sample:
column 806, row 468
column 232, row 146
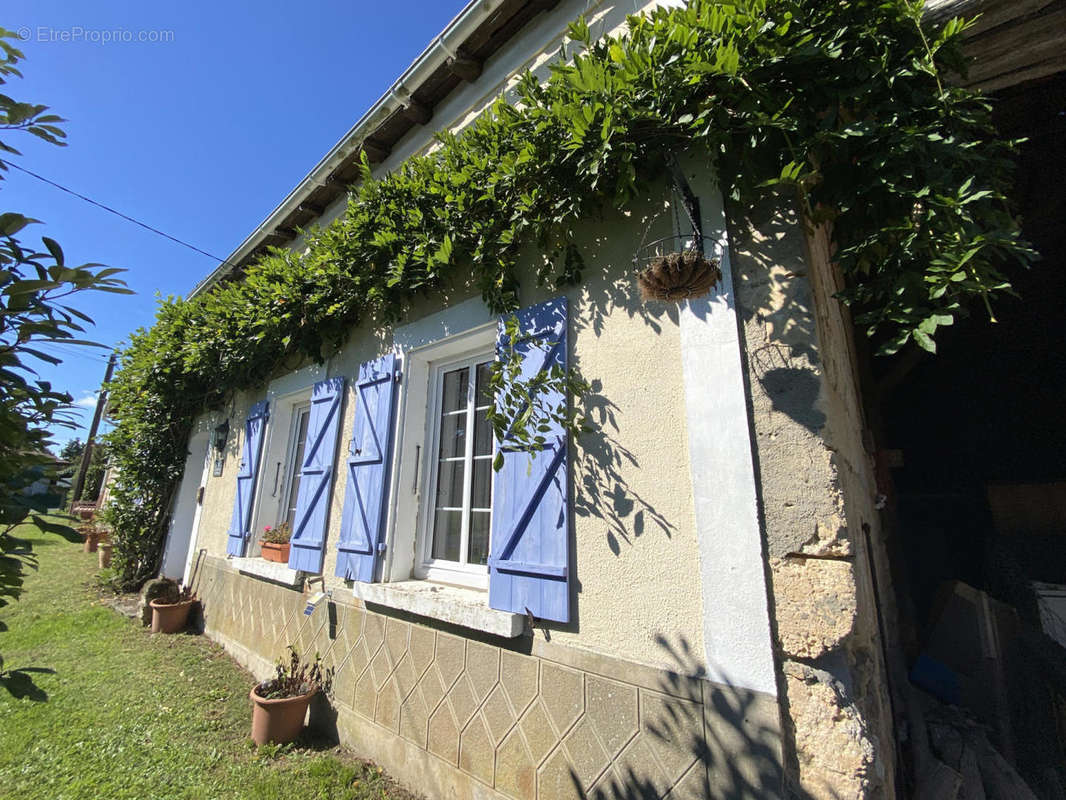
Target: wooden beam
column 416, row 112
column 376, row 152
column 465, row 67
column 310, row 208
column 337, row 181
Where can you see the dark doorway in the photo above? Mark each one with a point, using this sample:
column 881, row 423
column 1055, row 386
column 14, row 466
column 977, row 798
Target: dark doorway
column 975, row 439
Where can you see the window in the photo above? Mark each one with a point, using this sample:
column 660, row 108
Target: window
column 294, row 468
column 428, row 525
column 459, row 507
column 289, row 399
column 301, row 439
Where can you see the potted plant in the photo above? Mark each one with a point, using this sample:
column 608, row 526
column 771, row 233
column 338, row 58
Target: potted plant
column 170, row 611
column 275, row 543
column 92, row 536
column 679, row 275
column 104, row 553
column 279, row 704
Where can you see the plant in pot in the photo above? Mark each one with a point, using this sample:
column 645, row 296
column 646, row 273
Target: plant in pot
column 170, row 609
column 275, row 543
column 279, row 704
column 104, row 553
column 92, row 536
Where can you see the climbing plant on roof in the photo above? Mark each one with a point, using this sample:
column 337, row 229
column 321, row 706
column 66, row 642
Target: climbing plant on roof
column 845, row 106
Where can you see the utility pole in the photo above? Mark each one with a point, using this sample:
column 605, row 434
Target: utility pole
column 86, row 454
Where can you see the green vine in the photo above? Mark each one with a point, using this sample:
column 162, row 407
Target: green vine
column 842, row 103
column 525, row 408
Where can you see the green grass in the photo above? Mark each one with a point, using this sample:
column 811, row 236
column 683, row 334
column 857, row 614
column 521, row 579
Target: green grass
column 131, row 715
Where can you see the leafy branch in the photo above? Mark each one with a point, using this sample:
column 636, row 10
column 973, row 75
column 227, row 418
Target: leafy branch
column 529, row 405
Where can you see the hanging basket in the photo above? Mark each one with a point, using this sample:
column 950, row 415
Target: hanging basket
column 677, row 274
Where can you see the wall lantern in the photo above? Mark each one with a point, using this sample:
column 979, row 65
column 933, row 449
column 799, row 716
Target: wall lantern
column 219, row 437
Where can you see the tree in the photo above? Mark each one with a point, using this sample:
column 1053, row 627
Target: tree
column 36, row 285
column 94, row 475
column 72, row 450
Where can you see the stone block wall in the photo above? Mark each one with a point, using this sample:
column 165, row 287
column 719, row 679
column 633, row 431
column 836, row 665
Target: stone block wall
column 456, row 714
column 818, row 492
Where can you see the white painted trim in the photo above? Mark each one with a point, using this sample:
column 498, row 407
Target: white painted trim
column 297, row 380
column 459, row 606
column 271, row 570
column 205, row 472
column 459, row 319
column 291, row 466
column 736, row 617
column 184, row 509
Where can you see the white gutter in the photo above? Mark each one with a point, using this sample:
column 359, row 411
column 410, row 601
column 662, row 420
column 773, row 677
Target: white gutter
column 432, row 58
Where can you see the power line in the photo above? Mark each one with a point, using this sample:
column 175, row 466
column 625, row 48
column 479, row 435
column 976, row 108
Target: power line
column 110, row 210
column 70, row 351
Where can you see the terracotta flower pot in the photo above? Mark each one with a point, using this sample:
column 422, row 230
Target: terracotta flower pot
column 170, row 617
column 90, row 543
column 275, row 552
column 278, row 721
column 104, row 554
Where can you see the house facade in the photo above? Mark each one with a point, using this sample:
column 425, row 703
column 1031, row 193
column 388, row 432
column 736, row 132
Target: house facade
column 681, row 602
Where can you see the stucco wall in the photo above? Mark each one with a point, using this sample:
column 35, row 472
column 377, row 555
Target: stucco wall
column 632, row 493
column 634, row 520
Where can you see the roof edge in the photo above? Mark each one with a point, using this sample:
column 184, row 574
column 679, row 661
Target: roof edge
column 444, row 46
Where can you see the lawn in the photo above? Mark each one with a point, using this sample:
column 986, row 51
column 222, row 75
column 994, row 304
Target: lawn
column 131, row 715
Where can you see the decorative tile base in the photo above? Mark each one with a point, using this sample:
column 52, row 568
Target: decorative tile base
column 458, row 717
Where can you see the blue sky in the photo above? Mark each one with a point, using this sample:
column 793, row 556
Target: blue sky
column 199, row 131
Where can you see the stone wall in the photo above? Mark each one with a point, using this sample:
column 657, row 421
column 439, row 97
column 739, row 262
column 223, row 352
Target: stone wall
column 818, row 493
column 459, row 715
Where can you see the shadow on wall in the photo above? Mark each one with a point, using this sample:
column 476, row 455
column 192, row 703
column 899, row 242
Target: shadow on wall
column 600, row 458
column 736, row 744
column 602, row 491
column 770, row 301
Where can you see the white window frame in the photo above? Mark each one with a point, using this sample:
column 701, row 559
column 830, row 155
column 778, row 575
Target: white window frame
column 467, row 329
column 291, row 467
column 426, row 566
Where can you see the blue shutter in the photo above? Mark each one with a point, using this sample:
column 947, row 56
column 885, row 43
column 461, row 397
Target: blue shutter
column 313, row 500
column 367, row 465
column 529, row 559
column 251, row 453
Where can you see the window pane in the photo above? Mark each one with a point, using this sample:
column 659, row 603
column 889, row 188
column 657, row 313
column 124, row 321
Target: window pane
column 447, row 534
column 482, row 434
column 450, row 484
column 479, row 537
column 456, row 384
column 297, row 463
column 481, row 496
column 484, row 390
column 453, row 435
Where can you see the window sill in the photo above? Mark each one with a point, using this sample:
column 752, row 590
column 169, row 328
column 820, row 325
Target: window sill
column 465, row 607
column 271, row 570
